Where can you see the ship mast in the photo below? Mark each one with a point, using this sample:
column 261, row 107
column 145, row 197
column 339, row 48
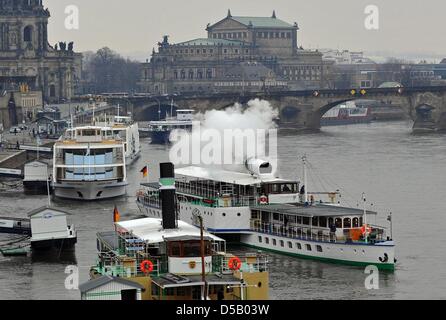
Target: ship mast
column 304, row 161
column 365, row 217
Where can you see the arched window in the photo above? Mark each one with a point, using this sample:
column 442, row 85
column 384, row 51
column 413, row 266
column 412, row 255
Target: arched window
column 355, row 222
column 191, row 74
column 209, row 73
column 52, row 91
column 338, row 223
column 28, row 34
column 347, row 223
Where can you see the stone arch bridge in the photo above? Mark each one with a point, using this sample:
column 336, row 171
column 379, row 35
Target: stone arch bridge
column 300, row 109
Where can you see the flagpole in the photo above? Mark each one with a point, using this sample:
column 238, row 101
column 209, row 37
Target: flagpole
column 365, row 218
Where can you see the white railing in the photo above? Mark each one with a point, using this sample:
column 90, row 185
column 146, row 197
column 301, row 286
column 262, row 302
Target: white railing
column 294, row 232
column 249, row 263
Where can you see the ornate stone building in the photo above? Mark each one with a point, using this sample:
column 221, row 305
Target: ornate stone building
column 26, row 58
column 239, row 53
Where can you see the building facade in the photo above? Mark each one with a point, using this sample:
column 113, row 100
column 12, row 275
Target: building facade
column 239, row 53
column 17, row 106
column 26, row 58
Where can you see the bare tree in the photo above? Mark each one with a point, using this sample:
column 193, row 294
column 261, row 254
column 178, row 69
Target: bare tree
column 107, row 71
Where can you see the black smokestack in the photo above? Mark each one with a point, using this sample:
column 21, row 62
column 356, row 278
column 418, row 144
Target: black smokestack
column 167, row 194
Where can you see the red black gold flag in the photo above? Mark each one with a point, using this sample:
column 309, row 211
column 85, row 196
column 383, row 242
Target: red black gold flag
column 145, row 171
column 116, row 215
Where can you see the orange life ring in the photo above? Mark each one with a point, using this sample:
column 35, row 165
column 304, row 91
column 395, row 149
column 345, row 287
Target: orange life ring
column 235, row 263
column 146, row 266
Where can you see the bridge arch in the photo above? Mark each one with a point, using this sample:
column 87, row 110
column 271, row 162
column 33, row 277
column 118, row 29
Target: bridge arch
column 289, row 115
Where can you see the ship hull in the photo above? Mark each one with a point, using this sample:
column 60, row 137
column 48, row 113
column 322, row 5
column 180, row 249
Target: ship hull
column 35, row 187
column 90, row 190
column 341, row 122
column 380, row 255
column 352, row 254
column 49, row 244
column 160, row 137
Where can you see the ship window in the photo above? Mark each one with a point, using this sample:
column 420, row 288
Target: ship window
column 306, row 220
column 308, row 247
column 274, row 242
column 282, row 244
column 175, row 249
column 155, row 291
column 319, row 248
column 355, row 223
column 181, row 291
column 299, row 246
column 314, row 221
column 260, row 239
column 347, row 223
column 299, row 220
column 290, row 245
column 266, row 240
column 338, row 223
column 323, row 222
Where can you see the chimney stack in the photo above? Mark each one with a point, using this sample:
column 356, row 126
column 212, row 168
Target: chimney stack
column 167, row 196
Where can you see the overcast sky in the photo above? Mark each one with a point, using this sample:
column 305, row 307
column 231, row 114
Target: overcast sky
column 133, row 27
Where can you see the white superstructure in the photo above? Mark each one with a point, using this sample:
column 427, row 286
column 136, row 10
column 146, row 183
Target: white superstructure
column 128, row 131
column 89, row 164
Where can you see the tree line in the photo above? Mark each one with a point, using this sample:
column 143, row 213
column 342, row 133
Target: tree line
column 106, row 71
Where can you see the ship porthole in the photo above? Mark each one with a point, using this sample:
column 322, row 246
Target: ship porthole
column 363, row 251
column 224, row 214
column 259, row 285
column 239, row 214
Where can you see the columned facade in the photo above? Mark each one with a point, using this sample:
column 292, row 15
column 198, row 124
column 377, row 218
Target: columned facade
column 26, row 57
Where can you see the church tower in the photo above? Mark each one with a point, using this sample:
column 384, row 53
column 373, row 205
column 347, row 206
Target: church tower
column 23, row 26
column 26, row 57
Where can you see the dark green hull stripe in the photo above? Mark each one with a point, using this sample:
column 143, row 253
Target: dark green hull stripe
column 380, row 266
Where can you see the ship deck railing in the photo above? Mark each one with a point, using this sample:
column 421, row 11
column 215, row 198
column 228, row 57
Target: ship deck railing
column 250, row 263
column 311, row 233
column 148, row 200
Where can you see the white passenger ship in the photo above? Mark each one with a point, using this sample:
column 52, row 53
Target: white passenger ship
column 159, row 131
column 269, row 213
column 128, row 131
column 89, row 164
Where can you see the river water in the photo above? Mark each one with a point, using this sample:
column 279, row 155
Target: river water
column 400, row 173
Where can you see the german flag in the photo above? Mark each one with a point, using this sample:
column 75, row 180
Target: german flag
column 116, row 215
column 145, row 171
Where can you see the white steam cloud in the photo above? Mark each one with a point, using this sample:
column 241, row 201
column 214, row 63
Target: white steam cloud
column 226, row 138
